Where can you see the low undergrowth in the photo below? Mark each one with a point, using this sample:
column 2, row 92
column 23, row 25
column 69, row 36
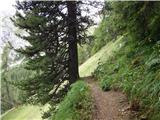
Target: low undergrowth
column 77, row 105
column 135, row 69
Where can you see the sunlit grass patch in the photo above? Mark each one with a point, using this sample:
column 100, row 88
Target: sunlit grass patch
column 102, row 56
column 24, row 112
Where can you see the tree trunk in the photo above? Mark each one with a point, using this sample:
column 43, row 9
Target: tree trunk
column 72, row 39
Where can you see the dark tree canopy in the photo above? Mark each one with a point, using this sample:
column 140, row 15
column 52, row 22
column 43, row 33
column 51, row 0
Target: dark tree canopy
column 139, row 19
column 53, row 29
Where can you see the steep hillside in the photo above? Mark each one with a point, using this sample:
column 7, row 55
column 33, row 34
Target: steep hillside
column 88, row 67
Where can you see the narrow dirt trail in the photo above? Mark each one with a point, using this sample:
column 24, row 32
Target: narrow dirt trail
column 111, row 105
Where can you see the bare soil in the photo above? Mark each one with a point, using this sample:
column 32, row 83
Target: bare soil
column 110, row 105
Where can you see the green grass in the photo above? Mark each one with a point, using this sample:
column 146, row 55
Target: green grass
column 87, row 68
column 77, row 104
column 25, row 112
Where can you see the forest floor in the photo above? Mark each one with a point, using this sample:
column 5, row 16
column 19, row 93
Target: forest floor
column 109, row 105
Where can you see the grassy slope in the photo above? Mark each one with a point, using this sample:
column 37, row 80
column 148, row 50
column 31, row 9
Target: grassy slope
column 91, row 64
column 25, row 112
column 34, row 113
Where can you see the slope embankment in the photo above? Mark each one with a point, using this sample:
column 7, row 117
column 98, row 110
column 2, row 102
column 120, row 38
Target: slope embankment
column 88, row 67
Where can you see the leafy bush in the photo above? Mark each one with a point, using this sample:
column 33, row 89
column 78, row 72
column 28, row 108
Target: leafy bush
column 76, row 105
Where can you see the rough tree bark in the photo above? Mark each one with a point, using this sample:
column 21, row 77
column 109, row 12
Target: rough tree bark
column 72, row 37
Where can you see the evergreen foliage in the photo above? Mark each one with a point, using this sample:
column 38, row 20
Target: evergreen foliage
column 53, row 29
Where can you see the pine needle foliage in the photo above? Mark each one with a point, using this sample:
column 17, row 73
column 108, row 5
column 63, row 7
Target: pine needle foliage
column 52, row 29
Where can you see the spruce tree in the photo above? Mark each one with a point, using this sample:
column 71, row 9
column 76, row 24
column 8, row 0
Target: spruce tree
column 53, row 29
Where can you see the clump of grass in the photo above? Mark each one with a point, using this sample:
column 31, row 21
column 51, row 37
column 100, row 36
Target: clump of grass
column 77, row 104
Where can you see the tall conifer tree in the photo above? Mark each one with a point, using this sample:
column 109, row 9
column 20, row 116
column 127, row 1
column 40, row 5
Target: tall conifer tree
column 53, row 29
